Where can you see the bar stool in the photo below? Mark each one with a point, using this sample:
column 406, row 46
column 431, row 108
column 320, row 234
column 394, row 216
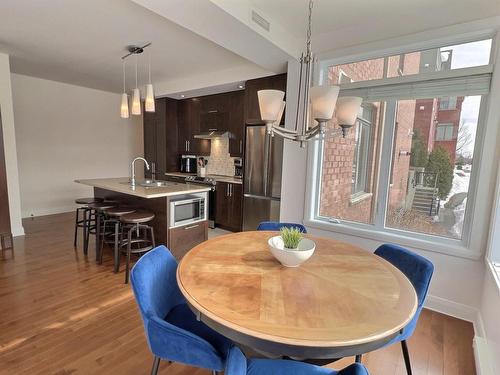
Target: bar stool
column 83, row 223
column 97, row 211
column 113, row 218
column 134, row 222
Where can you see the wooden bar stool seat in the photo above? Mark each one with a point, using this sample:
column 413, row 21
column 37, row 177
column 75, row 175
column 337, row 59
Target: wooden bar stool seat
column 119, row 211
column 102, row 206
column 138, row 241
column 88, row 200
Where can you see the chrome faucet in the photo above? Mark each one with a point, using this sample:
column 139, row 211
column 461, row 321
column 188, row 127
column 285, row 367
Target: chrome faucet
column 132, row 170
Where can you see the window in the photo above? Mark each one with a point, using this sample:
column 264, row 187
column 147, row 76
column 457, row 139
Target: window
column 360, row 165
column 447, row 103
column 444, row 132
column 412, row 149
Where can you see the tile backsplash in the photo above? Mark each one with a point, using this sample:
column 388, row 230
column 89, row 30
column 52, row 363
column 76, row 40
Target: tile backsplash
column 219, row 161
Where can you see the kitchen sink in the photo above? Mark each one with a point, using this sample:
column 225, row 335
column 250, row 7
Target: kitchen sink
column 153, row 184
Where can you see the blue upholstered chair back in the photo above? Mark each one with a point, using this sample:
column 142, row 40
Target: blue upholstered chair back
column 276, row 226
column 154, row 283
column 417, row 269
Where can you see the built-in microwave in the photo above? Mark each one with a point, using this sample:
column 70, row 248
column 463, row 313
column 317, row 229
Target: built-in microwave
column 188, row 210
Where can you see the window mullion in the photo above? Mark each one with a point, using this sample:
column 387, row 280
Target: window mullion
column 385, row 165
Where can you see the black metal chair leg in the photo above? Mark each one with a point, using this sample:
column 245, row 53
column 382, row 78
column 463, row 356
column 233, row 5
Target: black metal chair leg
column 153, row 243
column 117, row 246
column 98, row 237
column 76, row 226
column 156, row 365
column 358, row 358
column 87, row 216
column 129, row 248
column 406, row 355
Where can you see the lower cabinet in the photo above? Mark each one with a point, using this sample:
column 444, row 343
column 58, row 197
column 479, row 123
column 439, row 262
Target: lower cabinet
column 229, row 205
column 183, row 239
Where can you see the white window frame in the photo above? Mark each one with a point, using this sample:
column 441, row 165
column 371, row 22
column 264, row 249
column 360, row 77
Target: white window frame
column 474, row 237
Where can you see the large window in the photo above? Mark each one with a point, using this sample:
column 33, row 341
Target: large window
column 408, row 165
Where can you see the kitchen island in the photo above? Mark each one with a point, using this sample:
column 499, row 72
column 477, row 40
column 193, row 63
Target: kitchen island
column 160, row 198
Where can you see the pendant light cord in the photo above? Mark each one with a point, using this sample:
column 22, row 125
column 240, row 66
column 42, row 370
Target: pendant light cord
column 149, row 63
column 124, row 87
column 135, row 71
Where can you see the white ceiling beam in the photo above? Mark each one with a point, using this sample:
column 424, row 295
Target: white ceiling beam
column 228, row 24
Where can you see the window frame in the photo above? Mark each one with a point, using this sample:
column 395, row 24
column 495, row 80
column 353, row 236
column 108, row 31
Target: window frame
column 473, row 239
column 445, row 125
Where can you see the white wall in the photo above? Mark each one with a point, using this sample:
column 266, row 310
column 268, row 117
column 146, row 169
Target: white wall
column 66, row 132
column 9, row 139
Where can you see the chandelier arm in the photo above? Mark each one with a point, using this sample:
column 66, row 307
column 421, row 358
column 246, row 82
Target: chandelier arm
column 297, row 113
column 292, row 137
column 284, row 130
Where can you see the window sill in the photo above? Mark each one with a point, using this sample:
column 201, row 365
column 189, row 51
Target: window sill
column 423, row 242
column 359, row 197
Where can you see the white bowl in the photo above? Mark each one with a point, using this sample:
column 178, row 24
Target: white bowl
column 291, row 258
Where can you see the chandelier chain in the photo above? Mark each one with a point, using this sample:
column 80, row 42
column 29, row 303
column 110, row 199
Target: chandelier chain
column 309, row 28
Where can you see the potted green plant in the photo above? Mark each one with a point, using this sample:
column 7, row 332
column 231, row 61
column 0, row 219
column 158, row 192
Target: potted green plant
column 290, row 248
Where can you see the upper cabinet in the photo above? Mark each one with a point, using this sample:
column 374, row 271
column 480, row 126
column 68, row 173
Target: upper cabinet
column 252, row 111
column 189, row 111
column 160, row 137
column 237, row 124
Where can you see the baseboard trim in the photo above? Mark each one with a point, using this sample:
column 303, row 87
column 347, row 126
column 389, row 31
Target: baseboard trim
column 50, row 211
column 455, row 309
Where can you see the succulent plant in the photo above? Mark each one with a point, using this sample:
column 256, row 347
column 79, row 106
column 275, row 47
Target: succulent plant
column 291, row 237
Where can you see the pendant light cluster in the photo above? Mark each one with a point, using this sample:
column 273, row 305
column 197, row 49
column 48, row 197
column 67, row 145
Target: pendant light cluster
column 314, row 102
column 136, row 93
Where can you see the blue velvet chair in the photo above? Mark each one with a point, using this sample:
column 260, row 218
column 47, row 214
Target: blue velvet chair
column 237, row 364
column 276, row 226
column 171, row 328
column 419, row 271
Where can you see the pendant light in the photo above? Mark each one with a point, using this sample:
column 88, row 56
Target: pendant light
column 150, row 96
column 316, row 103
column 124, row 105
column 136, row 95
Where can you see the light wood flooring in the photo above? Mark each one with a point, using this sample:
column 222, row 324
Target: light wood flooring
column 61, row 313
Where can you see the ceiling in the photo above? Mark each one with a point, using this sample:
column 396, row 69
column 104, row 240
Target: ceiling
column 360, row 21
column 81, row 42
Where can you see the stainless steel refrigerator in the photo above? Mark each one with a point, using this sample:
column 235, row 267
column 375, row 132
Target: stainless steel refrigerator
column 262, row 179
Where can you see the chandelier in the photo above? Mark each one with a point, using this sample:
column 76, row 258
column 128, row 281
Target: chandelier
column 316, row 102
column 149, row 103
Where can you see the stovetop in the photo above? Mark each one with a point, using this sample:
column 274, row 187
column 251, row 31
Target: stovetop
column 201, row 180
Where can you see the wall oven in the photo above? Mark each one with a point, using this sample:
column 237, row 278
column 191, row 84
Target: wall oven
column 188, row 210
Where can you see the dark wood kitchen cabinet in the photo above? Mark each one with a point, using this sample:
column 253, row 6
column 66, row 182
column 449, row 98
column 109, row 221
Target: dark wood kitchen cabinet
column 189, row 126
column 160, row 137
column 229, row 205
column 183, row 239
column 237, row 124
column 252, row 111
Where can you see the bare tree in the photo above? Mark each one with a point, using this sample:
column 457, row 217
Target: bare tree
column 464, row 138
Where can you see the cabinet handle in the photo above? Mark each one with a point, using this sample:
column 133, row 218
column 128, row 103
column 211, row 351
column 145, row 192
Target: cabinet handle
column 241, row 147
column 230, row 189
column 185, row 145
column 227, row 190
column 189, row 145
column 192, row 226
column 213, row 111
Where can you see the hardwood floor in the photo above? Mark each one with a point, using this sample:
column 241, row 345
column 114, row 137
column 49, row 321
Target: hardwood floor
column 61, row 313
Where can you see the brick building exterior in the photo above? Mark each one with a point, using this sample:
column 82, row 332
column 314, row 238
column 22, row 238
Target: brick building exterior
column 341, row 195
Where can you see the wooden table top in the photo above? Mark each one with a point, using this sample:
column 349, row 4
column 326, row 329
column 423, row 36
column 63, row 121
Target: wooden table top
column 342, row 296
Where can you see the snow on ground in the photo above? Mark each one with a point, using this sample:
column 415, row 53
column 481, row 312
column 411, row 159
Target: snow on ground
column 461, row 179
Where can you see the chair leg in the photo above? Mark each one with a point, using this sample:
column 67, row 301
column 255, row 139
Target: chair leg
column 98, row 237
column 127, row 265
column 156, row 365
column 406, row 355
column 101, row 248
column 358, row 358
column 153, row 243
column 117, row 245
column 87, row 215
column 76, row 227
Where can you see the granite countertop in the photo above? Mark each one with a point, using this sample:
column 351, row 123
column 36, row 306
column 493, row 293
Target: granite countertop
column 216, row 177
column 122, row 185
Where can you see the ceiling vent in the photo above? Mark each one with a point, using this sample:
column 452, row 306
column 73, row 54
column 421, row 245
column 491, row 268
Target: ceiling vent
column 261, row 21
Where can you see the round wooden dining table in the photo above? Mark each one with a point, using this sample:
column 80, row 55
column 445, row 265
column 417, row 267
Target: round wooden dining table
column 343, row 301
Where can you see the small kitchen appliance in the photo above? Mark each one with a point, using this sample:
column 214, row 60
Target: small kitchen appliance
column 188, row 163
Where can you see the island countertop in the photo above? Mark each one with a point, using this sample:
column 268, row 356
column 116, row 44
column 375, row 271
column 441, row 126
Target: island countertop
column 122, row 185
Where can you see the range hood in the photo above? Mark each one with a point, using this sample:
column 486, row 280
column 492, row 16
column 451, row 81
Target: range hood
column 211, row 134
